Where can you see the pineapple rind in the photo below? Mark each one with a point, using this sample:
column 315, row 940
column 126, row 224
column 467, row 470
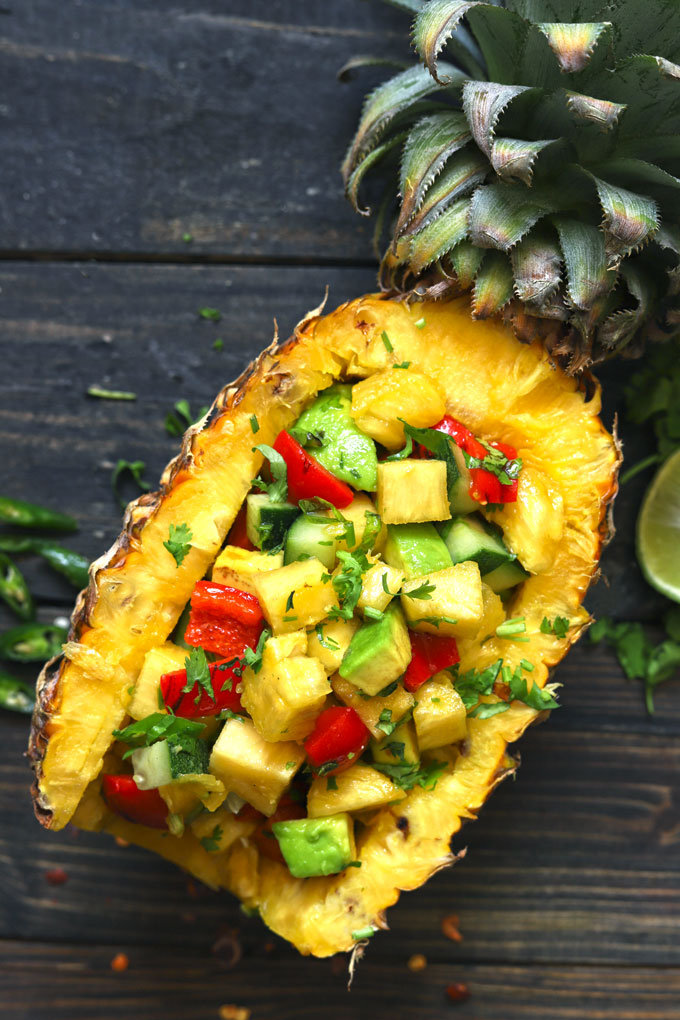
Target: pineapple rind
column 500, row 389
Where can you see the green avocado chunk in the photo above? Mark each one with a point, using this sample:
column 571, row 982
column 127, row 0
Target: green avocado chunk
column 316, row 846
column 416, row 549
column 378, row 653
column 346, row 451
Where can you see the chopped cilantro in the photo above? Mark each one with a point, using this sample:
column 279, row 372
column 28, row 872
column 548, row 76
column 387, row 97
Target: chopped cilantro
column 435, row 621
column 211, row 843
column 331, row 783
column 385, row 722
column 198, row 673
column 420, row 323
column 536, row 697
column 218, row 345
column 353, row 864
column 326, row 642
column 136, row 469
column 484, row 710
column 178, row 422
column 104, row 394
column 254, row 424
column 639, row 656
column 387, row 342
column 179, row 541
column 396, row 748
column 390, row 689
column 290, row 765
column 373, row 614
column 227, row 713
column 154, row 727
column 475, row 683
column 313, row 507
column 435, row 701
column 402, row 364
column 187, row 238
column 384, row 586
column 495, row 461
column 289, row 619
column 253, row 656
column 559, row 626
column 211, row 314
column 407, row 776
column 327, row 767
column 278, row 489
column 404, row 453
column 423, row 591
column 160, row 700
column 289, row 601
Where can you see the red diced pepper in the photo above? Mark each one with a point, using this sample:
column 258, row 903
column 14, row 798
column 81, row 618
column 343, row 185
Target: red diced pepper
column 307, row 478
column 187, row 705
column 430, row 654
column 461, row 436
column 264, row 838
column 485, row 486
column 508, row 451
column 223, row 620
column 238, row 535
column 144, row 807
column 338, row 733
column 508, row 492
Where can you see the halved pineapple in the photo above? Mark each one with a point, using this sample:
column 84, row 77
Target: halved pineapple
column 476, row 372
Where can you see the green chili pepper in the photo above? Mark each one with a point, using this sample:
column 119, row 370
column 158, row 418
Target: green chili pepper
column 65, row 561
column 15, row 695
column 32, row 642
column 14, row 590
column 28, row 515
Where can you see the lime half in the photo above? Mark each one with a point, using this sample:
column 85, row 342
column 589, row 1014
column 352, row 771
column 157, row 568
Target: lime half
column 658, row 530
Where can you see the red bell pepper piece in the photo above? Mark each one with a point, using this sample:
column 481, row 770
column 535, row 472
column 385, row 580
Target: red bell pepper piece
column 429, row 655
column 338, row 733
column 485, row 486
column 238, row 534
column 144, row 807
column 223, row 620
column 508, row 492
column 307, row 478
column 461, row 436
column 189, row 705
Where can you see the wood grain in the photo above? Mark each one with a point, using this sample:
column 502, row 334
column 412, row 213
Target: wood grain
column 47, row 982
column 127, row 125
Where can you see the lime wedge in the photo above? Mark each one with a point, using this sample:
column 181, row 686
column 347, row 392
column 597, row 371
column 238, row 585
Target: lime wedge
column 658, row 530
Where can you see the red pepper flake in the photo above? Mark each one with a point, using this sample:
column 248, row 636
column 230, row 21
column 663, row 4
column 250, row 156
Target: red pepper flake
column 416, row 962
column 450, row 928
column 458, row 992
column 56, row 876
column 232, row 1012
column 120, row 962
column 121, row 842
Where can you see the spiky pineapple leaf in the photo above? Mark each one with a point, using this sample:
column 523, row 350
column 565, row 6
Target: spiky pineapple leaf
column 439, row 236
column 431, row 142
column 629, row 219
column 502, row 37
column 513, row 159
column 588, row 277
column 483, row 104
column 466, row 260
column 369, row 161
column 596, row 111
column 537, row 268
column 493, row 285
column 462, row 173
column 360, row 61
column 386, row 102
column 434, row 25
column 574, row 43
column 501, row 214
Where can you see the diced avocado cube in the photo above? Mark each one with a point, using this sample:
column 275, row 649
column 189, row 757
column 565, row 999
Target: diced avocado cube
column 316, row 846
column 412, row 491
column 329, row 432
column 416, row 549
column 378, row 653
column 470, row 538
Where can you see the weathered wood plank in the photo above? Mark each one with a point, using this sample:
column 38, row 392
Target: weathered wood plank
column 43, row 982
column 127, row 125
column 575, row 862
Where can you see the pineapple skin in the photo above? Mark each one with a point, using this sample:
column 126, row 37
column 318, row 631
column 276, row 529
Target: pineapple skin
column 500, row 388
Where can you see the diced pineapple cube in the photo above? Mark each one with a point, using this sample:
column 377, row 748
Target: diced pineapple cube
column 379, row 402
column 286, row 695
column 220, row 830
column 412, row 491
column 250, row 766
column 393, row 707
column 457, row 596
column 373, row 584
column 439, row 716
column 401, row 746
column 329, row 641
column 189, row 792
column 359, row 788
column 235, row 566
column 534, row 525
column 166, row 658
column 356, row 513
column 299, row 595
column 277, row 649
column 493, row 615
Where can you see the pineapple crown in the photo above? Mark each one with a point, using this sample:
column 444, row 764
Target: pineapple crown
column 536, row 166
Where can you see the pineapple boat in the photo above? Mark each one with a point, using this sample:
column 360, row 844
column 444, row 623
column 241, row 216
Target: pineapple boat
column 298, row 670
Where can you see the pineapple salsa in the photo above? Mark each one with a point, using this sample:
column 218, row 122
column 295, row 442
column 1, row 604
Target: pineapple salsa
column 314, row 677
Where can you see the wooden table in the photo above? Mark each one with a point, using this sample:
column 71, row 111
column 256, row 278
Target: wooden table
column 126, row 126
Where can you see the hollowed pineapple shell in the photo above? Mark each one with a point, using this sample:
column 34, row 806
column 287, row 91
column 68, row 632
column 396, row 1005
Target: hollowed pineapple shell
column 501, row 389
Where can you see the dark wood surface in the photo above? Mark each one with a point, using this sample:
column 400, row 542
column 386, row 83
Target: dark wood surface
column 126, row 125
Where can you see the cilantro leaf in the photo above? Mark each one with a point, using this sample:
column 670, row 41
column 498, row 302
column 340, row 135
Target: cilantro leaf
column 559, row 626
column 386, row 341
column 177, row 423
column 311, row 508
column 253, row 656
column 536, row 697
column 211, row 314
column 385, row 722
column 639, row 657
column 423, row 591
column 198, row 673
column 407, row 776
column 254, row 424
column 154, row 727
column 278, row 489
column 402, row 454
column 326, row 642
column 179, row 542
column 486, row 709
column 211, row 843
column 439, row 444
column 474, row 683
column 134, row 467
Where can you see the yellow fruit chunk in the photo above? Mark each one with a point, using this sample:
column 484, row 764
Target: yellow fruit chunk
column 235, row 566
column 373, row 584
column 356, row 513
column 329, row 641
column 285, row 696
column 412, row 491
column 533, row 526
column 250, row 766
column 166, row 658
column 220, row 830
column 439, row 715
column 398, row 703
column 186, row 793
column 457, row 596
column 400, row 746
column 381, row 400
column 359, row 788
column 299, row 595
